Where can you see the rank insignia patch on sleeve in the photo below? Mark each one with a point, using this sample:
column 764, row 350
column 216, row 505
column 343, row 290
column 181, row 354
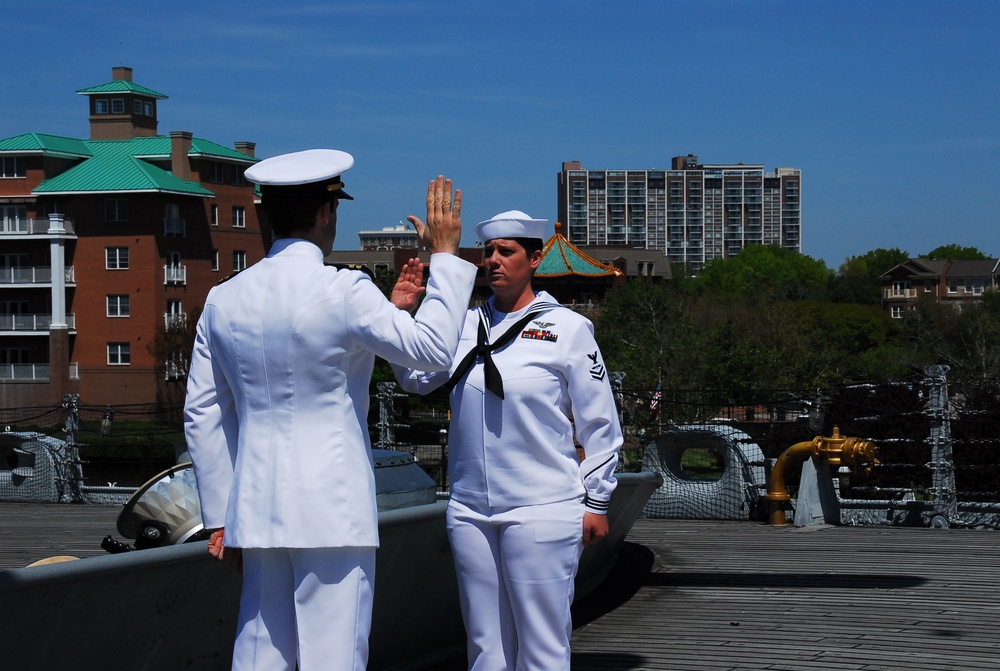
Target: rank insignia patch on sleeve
column 596, row 368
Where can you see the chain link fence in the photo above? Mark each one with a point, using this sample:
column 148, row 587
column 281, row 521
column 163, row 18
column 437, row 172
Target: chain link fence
column 938, row 450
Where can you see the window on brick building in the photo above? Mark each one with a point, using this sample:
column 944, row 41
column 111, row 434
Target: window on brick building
column 173, row 223
column 116, row 258
column 239, row 217
column 12, row 166
column 118, row 305
column 119, row 354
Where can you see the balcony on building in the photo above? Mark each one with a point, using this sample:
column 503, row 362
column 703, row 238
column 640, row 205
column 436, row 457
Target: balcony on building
column 13, row 226
column 899, row 291
column 175, row 274
column 33, row 372
column 26, row 276
column 174, row 320
column 174, row 370
column 31, row 324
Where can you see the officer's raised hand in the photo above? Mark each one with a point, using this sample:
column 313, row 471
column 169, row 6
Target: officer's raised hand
column 443, row 230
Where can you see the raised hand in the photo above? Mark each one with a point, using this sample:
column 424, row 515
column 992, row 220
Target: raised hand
column 409, row 286
column 442, row 231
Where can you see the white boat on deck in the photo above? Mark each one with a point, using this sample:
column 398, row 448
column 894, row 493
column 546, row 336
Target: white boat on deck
column 173, row 607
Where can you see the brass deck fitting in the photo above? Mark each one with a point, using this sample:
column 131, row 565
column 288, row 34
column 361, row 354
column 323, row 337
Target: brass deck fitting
column 836, row 450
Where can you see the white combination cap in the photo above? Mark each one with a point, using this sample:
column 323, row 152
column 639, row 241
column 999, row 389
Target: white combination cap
column 319, row 167
column 511, row 224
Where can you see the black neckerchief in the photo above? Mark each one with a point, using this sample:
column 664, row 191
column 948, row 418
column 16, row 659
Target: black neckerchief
column 494, row 381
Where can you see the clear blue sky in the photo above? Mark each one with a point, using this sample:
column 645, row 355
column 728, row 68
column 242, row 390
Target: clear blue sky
column 890, row 108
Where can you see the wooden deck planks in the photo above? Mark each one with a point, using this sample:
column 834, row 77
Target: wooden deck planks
column 724, row 596
column 745, row 596
column 33, row 531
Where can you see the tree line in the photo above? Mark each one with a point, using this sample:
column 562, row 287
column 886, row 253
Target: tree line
column 770, row 318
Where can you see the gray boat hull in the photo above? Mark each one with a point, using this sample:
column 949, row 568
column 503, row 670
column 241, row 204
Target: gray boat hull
column 175, row 608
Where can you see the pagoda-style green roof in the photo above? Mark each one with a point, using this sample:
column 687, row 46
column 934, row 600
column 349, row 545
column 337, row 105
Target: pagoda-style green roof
column 561, row 258
column 121, row 86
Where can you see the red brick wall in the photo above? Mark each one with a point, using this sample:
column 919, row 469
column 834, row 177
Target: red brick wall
column 143, row 282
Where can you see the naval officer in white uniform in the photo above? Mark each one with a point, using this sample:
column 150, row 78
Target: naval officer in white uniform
column 277, row 406
column 523, row 504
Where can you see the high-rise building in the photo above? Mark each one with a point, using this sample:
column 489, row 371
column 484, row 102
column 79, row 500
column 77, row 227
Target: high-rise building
column 108, row 244
column 693, row 213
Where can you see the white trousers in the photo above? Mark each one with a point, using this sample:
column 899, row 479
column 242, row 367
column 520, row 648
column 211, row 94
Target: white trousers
column 312, row 606
column 515, row 570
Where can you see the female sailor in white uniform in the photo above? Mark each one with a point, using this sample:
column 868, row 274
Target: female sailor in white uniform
column 523, row 504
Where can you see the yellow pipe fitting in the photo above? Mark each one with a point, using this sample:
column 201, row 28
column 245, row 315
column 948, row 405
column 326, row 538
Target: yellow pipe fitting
column 777, row 496
column 836, row 450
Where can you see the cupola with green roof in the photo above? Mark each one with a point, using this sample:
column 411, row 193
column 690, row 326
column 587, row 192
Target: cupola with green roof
column 121, row 109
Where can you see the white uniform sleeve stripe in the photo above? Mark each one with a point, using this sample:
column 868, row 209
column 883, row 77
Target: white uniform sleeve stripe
column 600, row 466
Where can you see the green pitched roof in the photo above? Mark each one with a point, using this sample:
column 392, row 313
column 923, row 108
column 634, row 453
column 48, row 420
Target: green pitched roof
column 158, row 148
column 117, row 165
column 560, row 258
column 49, row 145
column 121, row 86
column 114, row 167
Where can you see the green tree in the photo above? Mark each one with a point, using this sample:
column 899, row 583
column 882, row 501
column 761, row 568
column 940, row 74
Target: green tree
column 765, row 273
column 833, row 343
column 741, row 359
column 385, row 280
column 645, row 330
column 171, row 351
column 955, row 252
column 967, row 341
column 797, row 345
column 858, row 279
column 979, row 343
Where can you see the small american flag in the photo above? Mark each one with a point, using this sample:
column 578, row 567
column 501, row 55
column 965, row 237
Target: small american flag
column 654, row 405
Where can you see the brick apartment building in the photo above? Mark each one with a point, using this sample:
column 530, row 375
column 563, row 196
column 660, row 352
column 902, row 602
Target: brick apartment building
column 956, row 283
column 107, row 242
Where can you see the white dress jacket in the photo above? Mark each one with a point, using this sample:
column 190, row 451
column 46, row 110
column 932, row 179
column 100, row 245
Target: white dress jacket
column 278, row 393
